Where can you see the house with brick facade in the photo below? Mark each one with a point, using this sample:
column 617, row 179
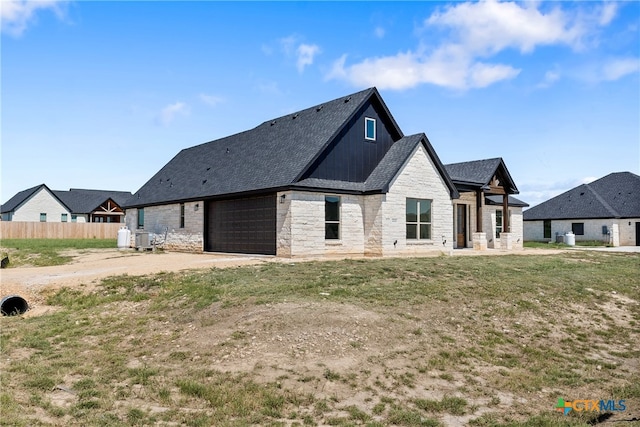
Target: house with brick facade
column 41, row 204
column 606, row 210
column 336, row 178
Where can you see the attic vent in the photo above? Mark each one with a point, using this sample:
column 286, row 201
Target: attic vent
column 273, row 123
column 204, row 181
column 295, row 116
column 347, row 99
column 319, row 108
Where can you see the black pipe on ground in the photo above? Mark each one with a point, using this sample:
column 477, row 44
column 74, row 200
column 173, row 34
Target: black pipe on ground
column 13, row 305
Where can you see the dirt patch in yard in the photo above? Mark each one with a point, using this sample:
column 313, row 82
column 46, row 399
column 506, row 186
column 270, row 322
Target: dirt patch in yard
column 349, row 357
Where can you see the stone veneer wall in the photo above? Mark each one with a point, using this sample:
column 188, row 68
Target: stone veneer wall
column 418, row 179
column 157, row 219
column 515, row 226
column 369, row 225
column 534, row 230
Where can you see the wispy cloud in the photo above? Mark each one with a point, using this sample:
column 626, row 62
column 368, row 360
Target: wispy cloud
column 379, row 32
column 171, row 111
column 618, row 68
column 303, row 53
column 550, row 77
column 475, row 33
column 17, row 15
column 211, row 100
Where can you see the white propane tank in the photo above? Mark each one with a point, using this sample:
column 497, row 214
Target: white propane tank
column 124, row 238
column 570, row 239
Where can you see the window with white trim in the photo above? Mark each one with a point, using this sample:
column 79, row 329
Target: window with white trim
column 369, row 129
column 418, row 219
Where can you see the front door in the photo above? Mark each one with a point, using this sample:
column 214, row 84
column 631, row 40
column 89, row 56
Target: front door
column 461, row 226
column 637, row 233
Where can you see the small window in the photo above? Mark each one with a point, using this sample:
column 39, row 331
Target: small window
column 181, row 215
column 498, row 223
column 63, row 217
column 547, row 228
column 577, row 228
column 418, row 219
column 332, row 217
column 140, row 217
column 74, row 218
column 369, row 129
column 43, row 217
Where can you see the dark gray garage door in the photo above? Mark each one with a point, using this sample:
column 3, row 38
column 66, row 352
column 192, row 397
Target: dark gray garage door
column 246, row 225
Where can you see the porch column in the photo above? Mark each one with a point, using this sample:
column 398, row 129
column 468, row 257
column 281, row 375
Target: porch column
column 505, row 213
column 479, row 203
column 479, row 238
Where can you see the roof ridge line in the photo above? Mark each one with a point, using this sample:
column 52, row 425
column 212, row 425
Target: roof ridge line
column 601, row 200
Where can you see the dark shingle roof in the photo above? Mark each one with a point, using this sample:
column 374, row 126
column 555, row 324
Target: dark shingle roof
column 480, row 172
column 82, row 201
column 616, row 195
column 78, row 201
column 497, row 200
column 19, row 198
column 270, row 156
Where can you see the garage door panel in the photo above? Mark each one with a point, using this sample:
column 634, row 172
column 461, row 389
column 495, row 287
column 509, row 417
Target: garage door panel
column 246, row 225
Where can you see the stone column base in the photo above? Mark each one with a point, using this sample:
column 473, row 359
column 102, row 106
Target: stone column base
column 506, row 241
column 479, row 241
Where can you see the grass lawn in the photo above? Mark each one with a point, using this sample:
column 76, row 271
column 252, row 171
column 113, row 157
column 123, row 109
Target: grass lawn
column 44, row 252
column 478, row 340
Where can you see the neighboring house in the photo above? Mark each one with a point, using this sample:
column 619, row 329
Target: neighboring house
column 336, row 178
column 42, row 204
column 479, row 221
column 607, row 209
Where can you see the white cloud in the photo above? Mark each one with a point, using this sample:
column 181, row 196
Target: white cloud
column 211, row 100
column 305, row 54
column 476, row 32
column 609, row 11
column 550, row 77
column 169, row 113
column 619, row 68
column 16, row 15
column 489, row 26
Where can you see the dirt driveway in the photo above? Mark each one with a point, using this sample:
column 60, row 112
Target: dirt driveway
column 90, row 266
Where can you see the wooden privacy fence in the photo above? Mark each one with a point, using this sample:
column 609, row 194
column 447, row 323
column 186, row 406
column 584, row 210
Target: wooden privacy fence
column 59, row 230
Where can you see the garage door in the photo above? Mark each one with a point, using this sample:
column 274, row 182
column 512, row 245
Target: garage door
column 246, row 225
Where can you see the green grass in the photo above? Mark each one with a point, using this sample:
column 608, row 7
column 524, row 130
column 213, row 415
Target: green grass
column 46, row 252
column 534, row 328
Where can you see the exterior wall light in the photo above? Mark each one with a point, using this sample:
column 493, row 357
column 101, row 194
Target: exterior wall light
column 196, row 207
column 282, row 198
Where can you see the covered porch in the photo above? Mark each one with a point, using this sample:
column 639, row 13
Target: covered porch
column 486, row 215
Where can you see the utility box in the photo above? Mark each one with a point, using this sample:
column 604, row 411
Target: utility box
column 142, row 240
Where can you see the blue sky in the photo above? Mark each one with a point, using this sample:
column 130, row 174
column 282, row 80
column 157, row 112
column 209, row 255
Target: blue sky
column 103, row 94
